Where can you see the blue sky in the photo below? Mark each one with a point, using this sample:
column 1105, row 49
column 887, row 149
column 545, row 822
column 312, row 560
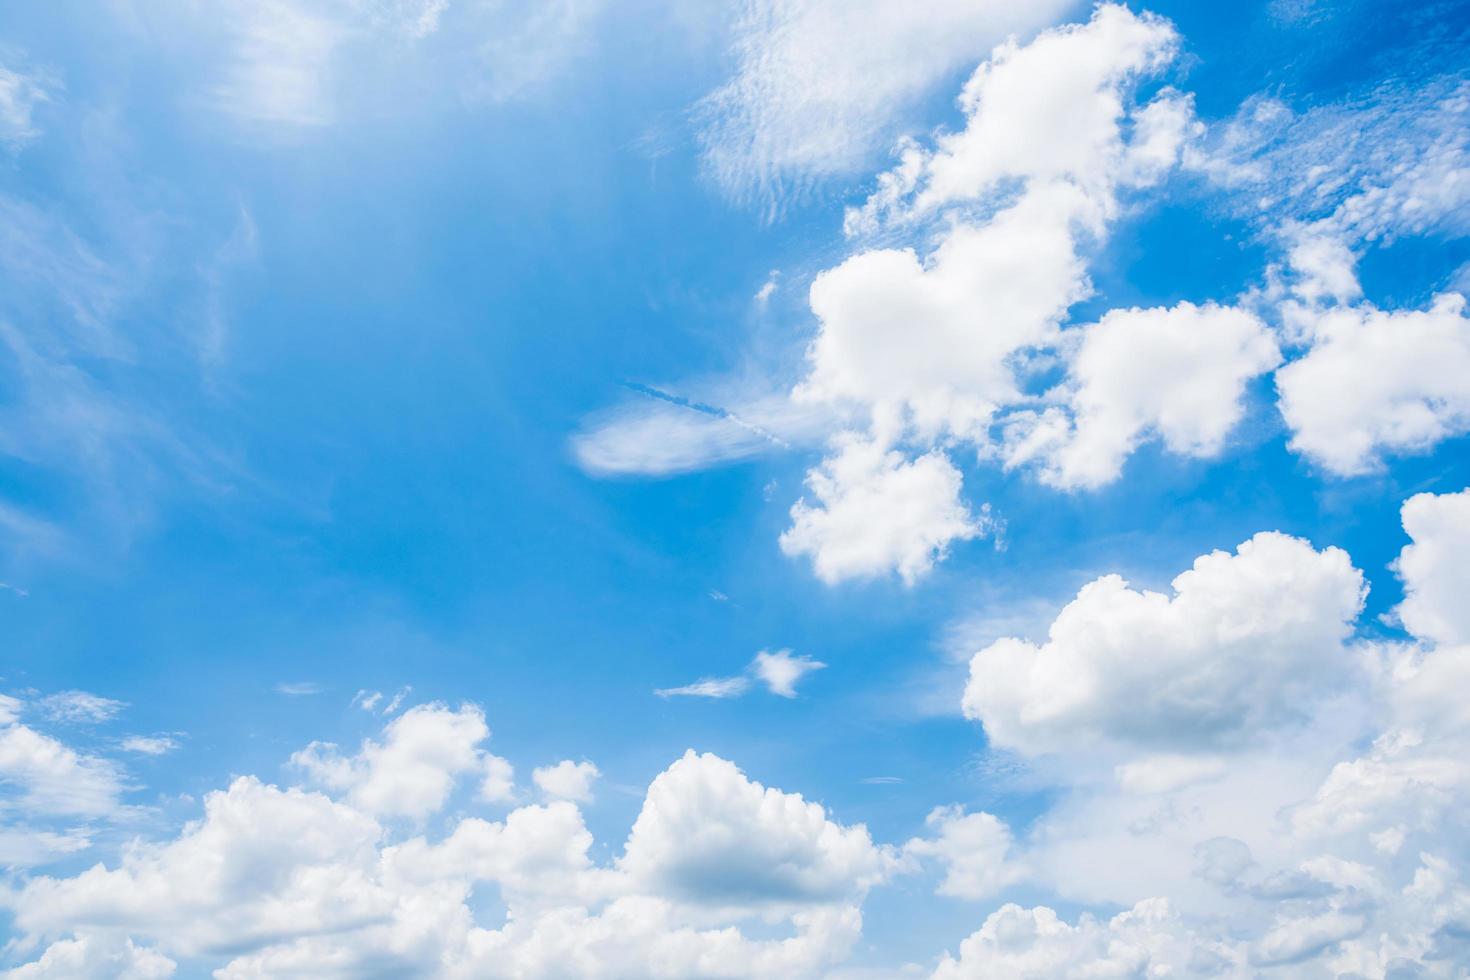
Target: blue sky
column 423, row 421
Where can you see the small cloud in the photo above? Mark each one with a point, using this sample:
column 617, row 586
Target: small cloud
column 763, row 295
column 367, row 700
column 780, row 671
column 567, row 780
column 881, row 780
column 14, row 589
column 397, row 699
column 709, row 687
column 149, row 744
column 79, row 707
column 298, row 689
column 718, row 596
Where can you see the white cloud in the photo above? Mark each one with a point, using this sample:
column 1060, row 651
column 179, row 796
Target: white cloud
column 662, row 434
column 1048, row 111
column 708, row 834
column 934, row 341
column 285, row 882
column 820, row 85
column 780, row 671
column 264, row 865
column 78, row 707
column 297, row 689
column 498, row 786
column 1436, row 567
column 20, row 93
column 1244, row 645
column 52, row 778
column 94, row 956
column 1408, row 370
column 1364, row 169
column 409, row 774
column 876, row 513
column 22, row 847
column 567, row 780
column 149, row 744
column 1034, row 944
column 974, row 849
column 279, row 70
column 1177, row 374
column 708, row 687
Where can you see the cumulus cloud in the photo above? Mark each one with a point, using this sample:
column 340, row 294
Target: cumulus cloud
column 412, row 771
column 875, row 513
column 275, row 881
column 567, row 780
column 1035, row 944
column 1409, row 371
column 820, row 85
column 1177, row 374
column 1244, row 645
column 1434, row 568
column 710, row 835
column 96, row 957
column 974, row 849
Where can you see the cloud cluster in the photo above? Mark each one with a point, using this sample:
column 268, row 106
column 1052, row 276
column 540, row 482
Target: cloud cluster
column 290, row 881
column 1210, row 745
column 950, row 324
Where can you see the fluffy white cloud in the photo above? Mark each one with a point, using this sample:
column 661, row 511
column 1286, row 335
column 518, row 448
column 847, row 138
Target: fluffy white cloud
column 95, row 957
column 1016, row 943
column 409, row 774
column 498, row 785
column 263, row 865
column 1178, row 374
column 1408, row 370
column 781, row 672
column 934, row 340
column 278, row 882
column 567, row 780
column 1051, row 110
column 1436, row 567
column 52, row 778
column 820, row 84
column 708, row 834
column 974, row 849
column 1244, row 645
column 876, row 513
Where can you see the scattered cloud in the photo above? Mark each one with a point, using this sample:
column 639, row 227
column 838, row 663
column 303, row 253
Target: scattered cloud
column 780, row 672
column 149, row 744
column 78, row 707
